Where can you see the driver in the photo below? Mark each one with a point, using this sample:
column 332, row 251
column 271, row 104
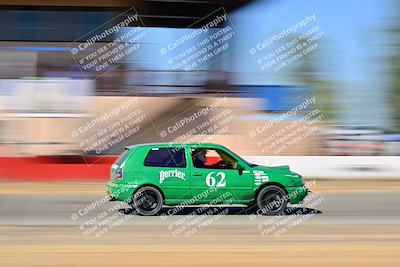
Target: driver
column 227, row 162
column 199, row 157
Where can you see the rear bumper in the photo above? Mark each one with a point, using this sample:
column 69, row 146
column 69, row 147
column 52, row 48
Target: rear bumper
column 120, row 191
column 297, row 194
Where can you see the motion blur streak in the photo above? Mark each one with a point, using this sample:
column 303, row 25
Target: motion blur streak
column 310, row 84
column 358, row 225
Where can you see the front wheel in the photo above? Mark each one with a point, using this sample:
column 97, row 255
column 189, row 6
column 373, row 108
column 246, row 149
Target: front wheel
column 147, row 201
column 271, row 200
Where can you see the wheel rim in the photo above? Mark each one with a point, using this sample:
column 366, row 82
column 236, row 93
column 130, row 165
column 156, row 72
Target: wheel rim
column 146, row 201
column 272, row 201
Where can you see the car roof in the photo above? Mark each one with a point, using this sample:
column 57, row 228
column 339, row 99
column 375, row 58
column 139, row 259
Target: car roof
column 167, row 144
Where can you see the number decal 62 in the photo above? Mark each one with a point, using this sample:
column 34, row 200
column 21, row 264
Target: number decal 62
column 217, row 180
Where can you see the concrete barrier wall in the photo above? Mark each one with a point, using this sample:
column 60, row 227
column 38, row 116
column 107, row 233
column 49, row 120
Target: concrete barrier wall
column 94, row 168
column 336, row 167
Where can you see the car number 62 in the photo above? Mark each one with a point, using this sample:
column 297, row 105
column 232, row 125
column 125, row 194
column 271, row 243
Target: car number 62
column 212, row 181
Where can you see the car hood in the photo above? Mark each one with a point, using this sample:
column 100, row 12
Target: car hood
column 281, row 174
column 283, row 168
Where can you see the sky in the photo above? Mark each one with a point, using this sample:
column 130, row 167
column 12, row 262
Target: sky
column 351, row 51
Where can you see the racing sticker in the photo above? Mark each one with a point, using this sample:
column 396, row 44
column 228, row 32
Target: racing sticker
column 260, row 177
column 217, row 180
column 171, row 174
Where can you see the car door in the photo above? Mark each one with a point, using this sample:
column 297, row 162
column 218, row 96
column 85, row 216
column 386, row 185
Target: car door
column 241, row 185
column 241, row 181
column 218, row 183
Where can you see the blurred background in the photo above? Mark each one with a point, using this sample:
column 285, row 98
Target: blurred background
column 347, row 71
column 310, row 84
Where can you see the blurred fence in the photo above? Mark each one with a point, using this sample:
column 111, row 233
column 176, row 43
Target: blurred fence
column 95, row 169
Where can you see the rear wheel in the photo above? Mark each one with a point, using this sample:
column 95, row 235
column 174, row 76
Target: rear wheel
column 147, row 201
column 271, row 200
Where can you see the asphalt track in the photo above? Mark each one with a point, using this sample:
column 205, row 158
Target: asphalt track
column 345, row 223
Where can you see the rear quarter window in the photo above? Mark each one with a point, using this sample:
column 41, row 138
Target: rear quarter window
column 166, row 157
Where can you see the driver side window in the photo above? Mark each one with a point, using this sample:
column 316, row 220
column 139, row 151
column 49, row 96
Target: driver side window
column 212, row 159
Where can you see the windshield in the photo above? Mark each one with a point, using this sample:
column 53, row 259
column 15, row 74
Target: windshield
column 248, row 163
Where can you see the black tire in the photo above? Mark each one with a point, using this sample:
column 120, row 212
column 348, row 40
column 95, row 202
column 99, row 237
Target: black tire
column 271, row 200
column 147, row 201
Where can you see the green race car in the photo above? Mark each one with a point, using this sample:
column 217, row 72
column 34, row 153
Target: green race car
column 148, row 176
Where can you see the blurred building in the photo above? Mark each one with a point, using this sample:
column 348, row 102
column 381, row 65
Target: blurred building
column 45, row 95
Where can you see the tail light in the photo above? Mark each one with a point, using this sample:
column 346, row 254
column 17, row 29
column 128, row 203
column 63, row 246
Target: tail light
column 119, row 174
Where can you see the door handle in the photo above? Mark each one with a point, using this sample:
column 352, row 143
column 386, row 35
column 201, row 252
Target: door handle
column 197, row 174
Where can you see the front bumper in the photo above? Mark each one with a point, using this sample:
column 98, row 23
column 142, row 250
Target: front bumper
column 297, row 193
column 120, row 191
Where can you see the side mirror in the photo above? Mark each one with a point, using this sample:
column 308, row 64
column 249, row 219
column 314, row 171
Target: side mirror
column 240, row 169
